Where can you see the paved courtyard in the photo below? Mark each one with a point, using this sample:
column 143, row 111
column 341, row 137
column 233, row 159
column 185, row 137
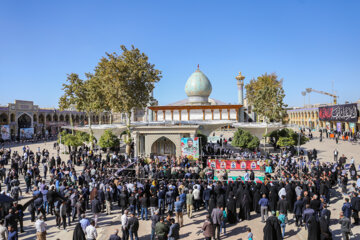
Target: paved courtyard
column 191, row 226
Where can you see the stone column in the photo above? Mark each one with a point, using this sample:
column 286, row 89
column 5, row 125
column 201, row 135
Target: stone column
column 240, row 83
column 136, row 144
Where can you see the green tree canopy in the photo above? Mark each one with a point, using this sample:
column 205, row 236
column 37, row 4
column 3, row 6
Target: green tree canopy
column 85, row 95
column 266, row 95
column 73, row 140
column 285, row 135
column 108, row 140
column 127, row 81
column 286, row 142
column 244, row 139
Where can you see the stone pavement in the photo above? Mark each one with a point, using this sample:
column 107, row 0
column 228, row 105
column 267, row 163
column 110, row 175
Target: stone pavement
column 191, row 226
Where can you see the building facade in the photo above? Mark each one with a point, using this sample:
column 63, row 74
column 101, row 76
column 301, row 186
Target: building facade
column 313, row 117
column 22, row 115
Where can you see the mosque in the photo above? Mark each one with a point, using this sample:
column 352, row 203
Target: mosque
column 158, row 129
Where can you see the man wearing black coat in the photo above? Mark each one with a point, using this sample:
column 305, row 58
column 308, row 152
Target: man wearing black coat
column 10, row 220
column 315, row 204
column 298, row 206
column 122, row 201
column 283, row 205
column 326, row 213
column 96, row 209
column 355, row 206
column 133, row 225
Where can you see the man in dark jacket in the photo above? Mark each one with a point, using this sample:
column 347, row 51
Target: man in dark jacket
column 307, row 214
column 10, row 220
column 123, row 201
column 96, row 209
column 315, row 204
column 298, row 206
column 283, row 205
column 144, row 207
column 326, row 213
column 174, row 230
column 206, row 197
column 108, row 200
column 154, row 220
column 347, row 208
column 133, row 225
column 355, row 206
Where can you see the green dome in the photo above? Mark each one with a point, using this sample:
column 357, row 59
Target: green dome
column 198, row 85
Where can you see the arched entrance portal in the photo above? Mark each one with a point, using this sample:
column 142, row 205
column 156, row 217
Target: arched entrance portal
column 163, row 146
column 24, row 121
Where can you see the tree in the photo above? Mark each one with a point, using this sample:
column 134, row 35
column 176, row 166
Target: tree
column 85, row 95
column 285, row 142
column 244, row 139
column 128, row 80
column 73, row 140
column 73, row 92
column 108, row 140
column 285, row 135
column 266, row 95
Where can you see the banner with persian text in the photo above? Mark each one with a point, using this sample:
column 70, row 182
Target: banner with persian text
column 234, row 164
column 345, row 113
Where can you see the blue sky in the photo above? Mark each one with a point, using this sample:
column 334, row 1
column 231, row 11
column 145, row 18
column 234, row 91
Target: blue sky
column 307, row 43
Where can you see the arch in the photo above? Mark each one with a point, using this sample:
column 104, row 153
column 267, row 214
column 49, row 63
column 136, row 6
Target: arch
column 82, row 118
column 55, row 118
column 48, row 118
column 35, row 118
column 67, row 118
column 163, row 146
column 61, row 118
column 41, row 119
column 4, row 119
column 77, row 119
column 24, row 121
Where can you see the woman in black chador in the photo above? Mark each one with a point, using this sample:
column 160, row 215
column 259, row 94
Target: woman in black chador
column 313, row 229
column 231, row 208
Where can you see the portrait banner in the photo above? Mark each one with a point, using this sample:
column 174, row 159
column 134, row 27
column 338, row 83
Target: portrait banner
column 338, row 127
column 190, row 148
column 234, row 164
column 26, row 133
column 5, row 132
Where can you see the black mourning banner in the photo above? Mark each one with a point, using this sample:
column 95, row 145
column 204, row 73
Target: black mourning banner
column 345, row 112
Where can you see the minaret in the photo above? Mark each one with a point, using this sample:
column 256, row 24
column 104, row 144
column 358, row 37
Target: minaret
column 240, row 83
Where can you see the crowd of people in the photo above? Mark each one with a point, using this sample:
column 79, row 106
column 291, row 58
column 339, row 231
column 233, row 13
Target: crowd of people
column 91, row 183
